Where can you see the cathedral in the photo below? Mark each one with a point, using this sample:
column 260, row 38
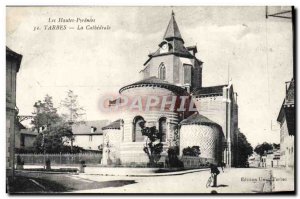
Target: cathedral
column 173, row 70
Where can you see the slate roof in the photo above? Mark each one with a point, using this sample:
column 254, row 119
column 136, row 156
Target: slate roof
column 113, row 125
column 209, row 90
column 154, row 81
column 199, row 119
column 172, row 30
column 85, row 128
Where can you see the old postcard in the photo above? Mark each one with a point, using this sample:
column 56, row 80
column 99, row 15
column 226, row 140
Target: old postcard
column 163, row 100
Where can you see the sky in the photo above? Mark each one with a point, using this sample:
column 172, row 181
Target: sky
column 93, row 63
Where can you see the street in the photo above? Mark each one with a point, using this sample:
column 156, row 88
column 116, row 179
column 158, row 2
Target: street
column 235, row 180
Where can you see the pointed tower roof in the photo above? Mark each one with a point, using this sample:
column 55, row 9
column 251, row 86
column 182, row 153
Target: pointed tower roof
column 172, row 30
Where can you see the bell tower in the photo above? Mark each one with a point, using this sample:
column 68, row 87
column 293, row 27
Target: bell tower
column 173, row 62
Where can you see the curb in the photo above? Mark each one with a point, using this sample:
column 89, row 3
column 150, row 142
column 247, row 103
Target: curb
column 151, row 174
column 47, row 172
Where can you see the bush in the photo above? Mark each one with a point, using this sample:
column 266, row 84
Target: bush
column 192, row 151
column 172, row 159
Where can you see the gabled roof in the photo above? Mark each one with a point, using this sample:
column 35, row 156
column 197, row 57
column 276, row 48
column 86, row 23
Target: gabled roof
column 172, row 30
column 85, row 128
column 114, row 125
column 154, row 81
column 209, row 90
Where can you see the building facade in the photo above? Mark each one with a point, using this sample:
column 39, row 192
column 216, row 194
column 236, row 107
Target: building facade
column 286, row 119
column 89, row 135
column 24, row 139
column 13, row 62
column 173, row 72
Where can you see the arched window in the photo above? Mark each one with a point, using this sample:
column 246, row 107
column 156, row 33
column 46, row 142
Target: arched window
column 163, row 128
column 162, row 71
column 137, row 130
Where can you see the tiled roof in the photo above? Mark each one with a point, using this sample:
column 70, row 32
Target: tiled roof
column 114, row 125
column 196, row 118
column 209, row 90
column 154, row 81
column 85, row 128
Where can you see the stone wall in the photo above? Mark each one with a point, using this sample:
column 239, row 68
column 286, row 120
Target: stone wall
column 133, row 151
column 208, row 138
column 11, row 113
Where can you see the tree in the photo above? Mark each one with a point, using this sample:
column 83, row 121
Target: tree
column 276, row 146
column 153, row 146
column 261, row 149
column 244, row 149
column 54, row 134
column 192, row 151
column 45, row 114
column 72, row 107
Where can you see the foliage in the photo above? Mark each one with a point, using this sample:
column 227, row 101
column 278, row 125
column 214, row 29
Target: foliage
column 153, row 146
column 192, row 151
column 276, row 146
column 54, row 133
column 261, row 149
column 53, row 140
column 244, row 149
column 173, row 160
column 45, row 114
column 73, row 109
column 176, row 138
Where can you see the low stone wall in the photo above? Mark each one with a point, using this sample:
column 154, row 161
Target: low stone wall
column 190, row 162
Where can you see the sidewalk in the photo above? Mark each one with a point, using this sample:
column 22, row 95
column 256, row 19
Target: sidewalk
column 121, row 171
column 283, row 180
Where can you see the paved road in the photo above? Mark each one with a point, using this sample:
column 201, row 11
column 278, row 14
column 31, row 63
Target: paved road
column 243, row 180
column 235, row 180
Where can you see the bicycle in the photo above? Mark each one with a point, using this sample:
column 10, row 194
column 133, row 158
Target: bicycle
column 210, row 180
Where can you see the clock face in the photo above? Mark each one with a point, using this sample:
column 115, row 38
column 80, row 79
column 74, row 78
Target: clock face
column 165, row 46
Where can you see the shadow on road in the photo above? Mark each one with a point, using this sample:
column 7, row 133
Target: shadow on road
column 222, row 185
column 58, row 184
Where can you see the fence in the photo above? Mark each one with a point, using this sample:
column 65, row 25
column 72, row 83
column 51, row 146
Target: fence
column 61, row 158
column 195, row 162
